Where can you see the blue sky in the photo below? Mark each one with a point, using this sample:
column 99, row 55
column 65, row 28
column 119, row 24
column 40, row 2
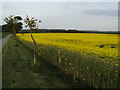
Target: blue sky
column 68, row 15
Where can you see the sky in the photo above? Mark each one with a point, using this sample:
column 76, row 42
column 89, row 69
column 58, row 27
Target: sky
column 66, row 15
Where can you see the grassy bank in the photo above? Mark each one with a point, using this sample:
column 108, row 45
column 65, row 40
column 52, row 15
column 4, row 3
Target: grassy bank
column 19, row 71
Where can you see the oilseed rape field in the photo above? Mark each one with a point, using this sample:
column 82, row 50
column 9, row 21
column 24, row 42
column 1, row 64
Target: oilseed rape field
column 90, row 57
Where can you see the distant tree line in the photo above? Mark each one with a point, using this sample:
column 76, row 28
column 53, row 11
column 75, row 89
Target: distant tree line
column 67, row 31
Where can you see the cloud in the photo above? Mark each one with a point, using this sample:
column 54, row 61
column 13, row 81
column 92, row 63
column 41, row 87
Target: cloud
column 66, row 14
column 105, row 12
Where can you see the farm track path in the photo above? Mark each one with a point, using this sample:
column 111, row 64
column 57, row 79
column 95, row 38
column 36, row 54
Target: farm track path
column 3, row 41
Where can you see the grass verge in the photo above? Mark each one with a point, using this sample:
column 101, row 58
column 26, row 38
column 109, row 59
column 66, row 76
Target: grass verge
column 18, row 70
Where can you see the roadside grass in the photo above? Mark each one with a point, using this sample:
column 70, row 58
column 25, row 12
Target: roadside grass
column 4, row 34
column 18, row 70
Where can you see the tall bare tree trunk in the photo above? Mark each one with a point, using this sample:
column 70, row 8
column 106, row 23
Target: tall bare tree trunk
column 32, row 24
column 35, row 48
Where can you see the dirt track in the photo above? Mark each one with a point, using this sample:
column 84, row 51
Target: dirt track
column 2, row 44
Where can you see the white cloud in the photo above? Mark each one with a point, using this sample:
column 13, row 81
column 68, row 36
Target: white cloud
column 65, row 14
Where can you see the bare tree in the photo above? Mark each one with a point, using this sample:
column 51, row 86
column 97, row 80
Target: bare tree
column 32, row 24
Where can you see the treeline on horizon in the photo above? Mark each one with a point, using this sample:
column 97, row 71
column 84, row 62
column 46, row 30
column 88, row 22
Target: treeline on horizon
column 3, row 29
column 67, row 31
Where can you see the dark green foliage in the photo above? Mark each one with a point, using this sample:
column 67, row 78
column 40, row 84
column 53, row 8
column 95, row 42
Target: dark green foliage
column 4, row 34
column 13, row 25
column 18, row 27
column 18, row 17
column 4, row 28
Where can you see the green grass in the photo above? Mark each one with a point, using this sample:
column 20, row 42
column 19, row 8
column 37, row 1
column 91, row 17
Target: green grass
column 18, row 70
column 4, row 34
